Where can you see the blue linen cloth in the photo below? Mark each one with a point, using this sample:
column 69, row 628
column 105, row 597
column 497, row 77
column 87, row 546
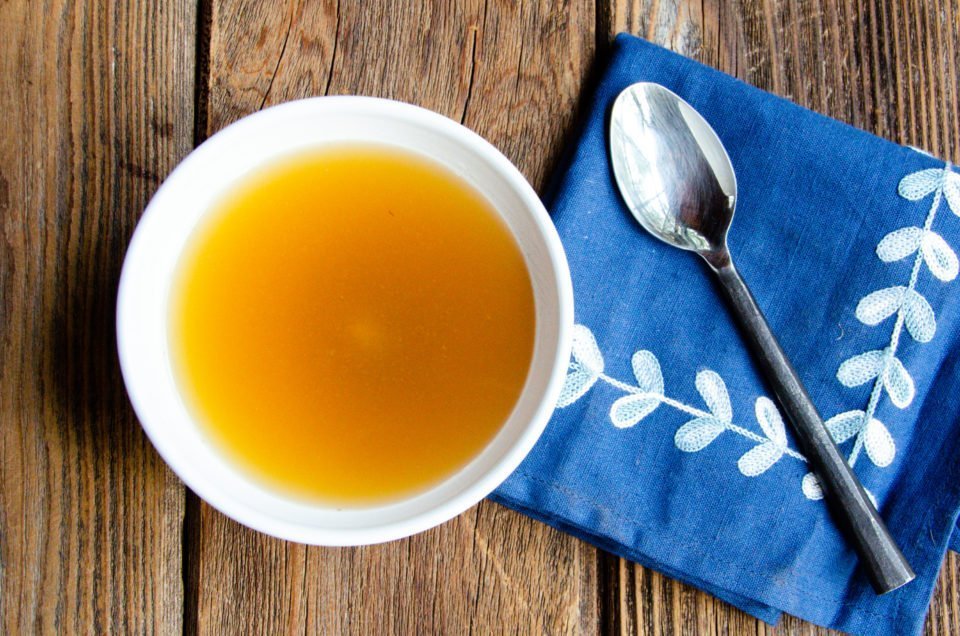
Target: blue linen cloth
column 672, row 457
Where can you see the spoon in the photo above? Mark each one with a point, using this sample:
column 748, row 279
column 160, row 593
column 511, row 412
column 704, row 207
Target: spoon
column 678, row 182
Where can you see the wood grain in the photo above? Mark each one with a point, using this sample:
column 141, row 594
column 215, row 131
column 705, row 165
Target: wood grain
column 513, row 72
column 97, row 103
column 887, row 66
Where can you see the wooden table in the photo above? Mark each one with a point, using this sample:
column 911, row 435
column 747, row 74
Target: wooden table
column 99, row 100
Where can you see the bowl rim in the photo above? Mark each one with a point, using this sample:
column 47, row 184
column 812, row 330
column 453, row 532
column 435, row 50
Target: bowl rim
column 134, row 374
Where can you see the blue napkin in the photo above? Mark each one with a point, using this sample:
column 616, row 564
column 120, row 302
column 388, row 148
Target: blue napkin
column 665, row 447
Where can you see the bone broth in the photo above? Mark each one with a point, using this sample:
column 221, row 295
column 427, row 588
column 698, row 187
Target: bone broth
column 352, row 324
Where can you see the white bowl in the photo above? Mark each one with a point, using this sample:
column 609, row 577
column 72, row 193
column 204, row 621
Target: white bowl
column 187, row 194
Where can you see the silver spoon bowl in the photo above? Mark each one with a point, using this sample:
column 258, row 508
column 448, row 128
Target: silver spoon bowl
column 678, row 182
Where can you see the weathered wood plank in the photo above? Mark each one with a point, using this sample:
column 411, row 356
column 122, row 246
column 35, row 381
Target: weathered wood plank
column 512, row 72
column 97, row 102
column 944, row 616
column 887, row 66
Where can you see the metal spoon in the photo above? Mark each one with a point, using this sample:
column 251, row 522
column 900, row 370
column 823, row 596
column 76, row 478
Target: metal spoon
column 678, row 182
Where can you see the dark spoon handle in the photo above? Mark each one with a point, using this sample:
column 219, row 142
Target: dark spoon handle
column 886, row 566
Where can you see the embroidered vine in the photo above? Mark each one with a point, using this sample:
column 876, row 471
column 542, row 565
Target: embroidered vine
column 890, row 376
column 912, row 310
column 642, row 399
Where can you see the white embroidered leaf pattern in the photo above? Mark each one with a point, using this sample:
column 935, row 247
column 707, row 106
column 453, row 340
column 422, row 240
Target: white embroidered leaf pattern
column 646, row 368
column 845, row 425
column 951, row 191
column 917, row 185
column 714, row 392
column 760, row 458
column 585, row 349
column 898, row 383
column 770, row 421
column 697, row 434
column 878, row 443
column 578, row 381
column 872, row 498
column 913, row 312
column 939, row 257
column 860, row 368
column 918, row 317
column 630, row 409
column 876, row 307
column 899, row 244
column 585, row 370
column 811, row 487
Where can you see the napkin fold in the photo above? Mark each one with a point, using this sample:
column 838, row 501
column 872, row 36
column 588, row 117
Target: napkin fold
column 666, row 448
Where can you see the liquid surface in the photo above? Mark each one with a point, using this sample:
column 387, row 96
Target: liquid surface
column 352, row 325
